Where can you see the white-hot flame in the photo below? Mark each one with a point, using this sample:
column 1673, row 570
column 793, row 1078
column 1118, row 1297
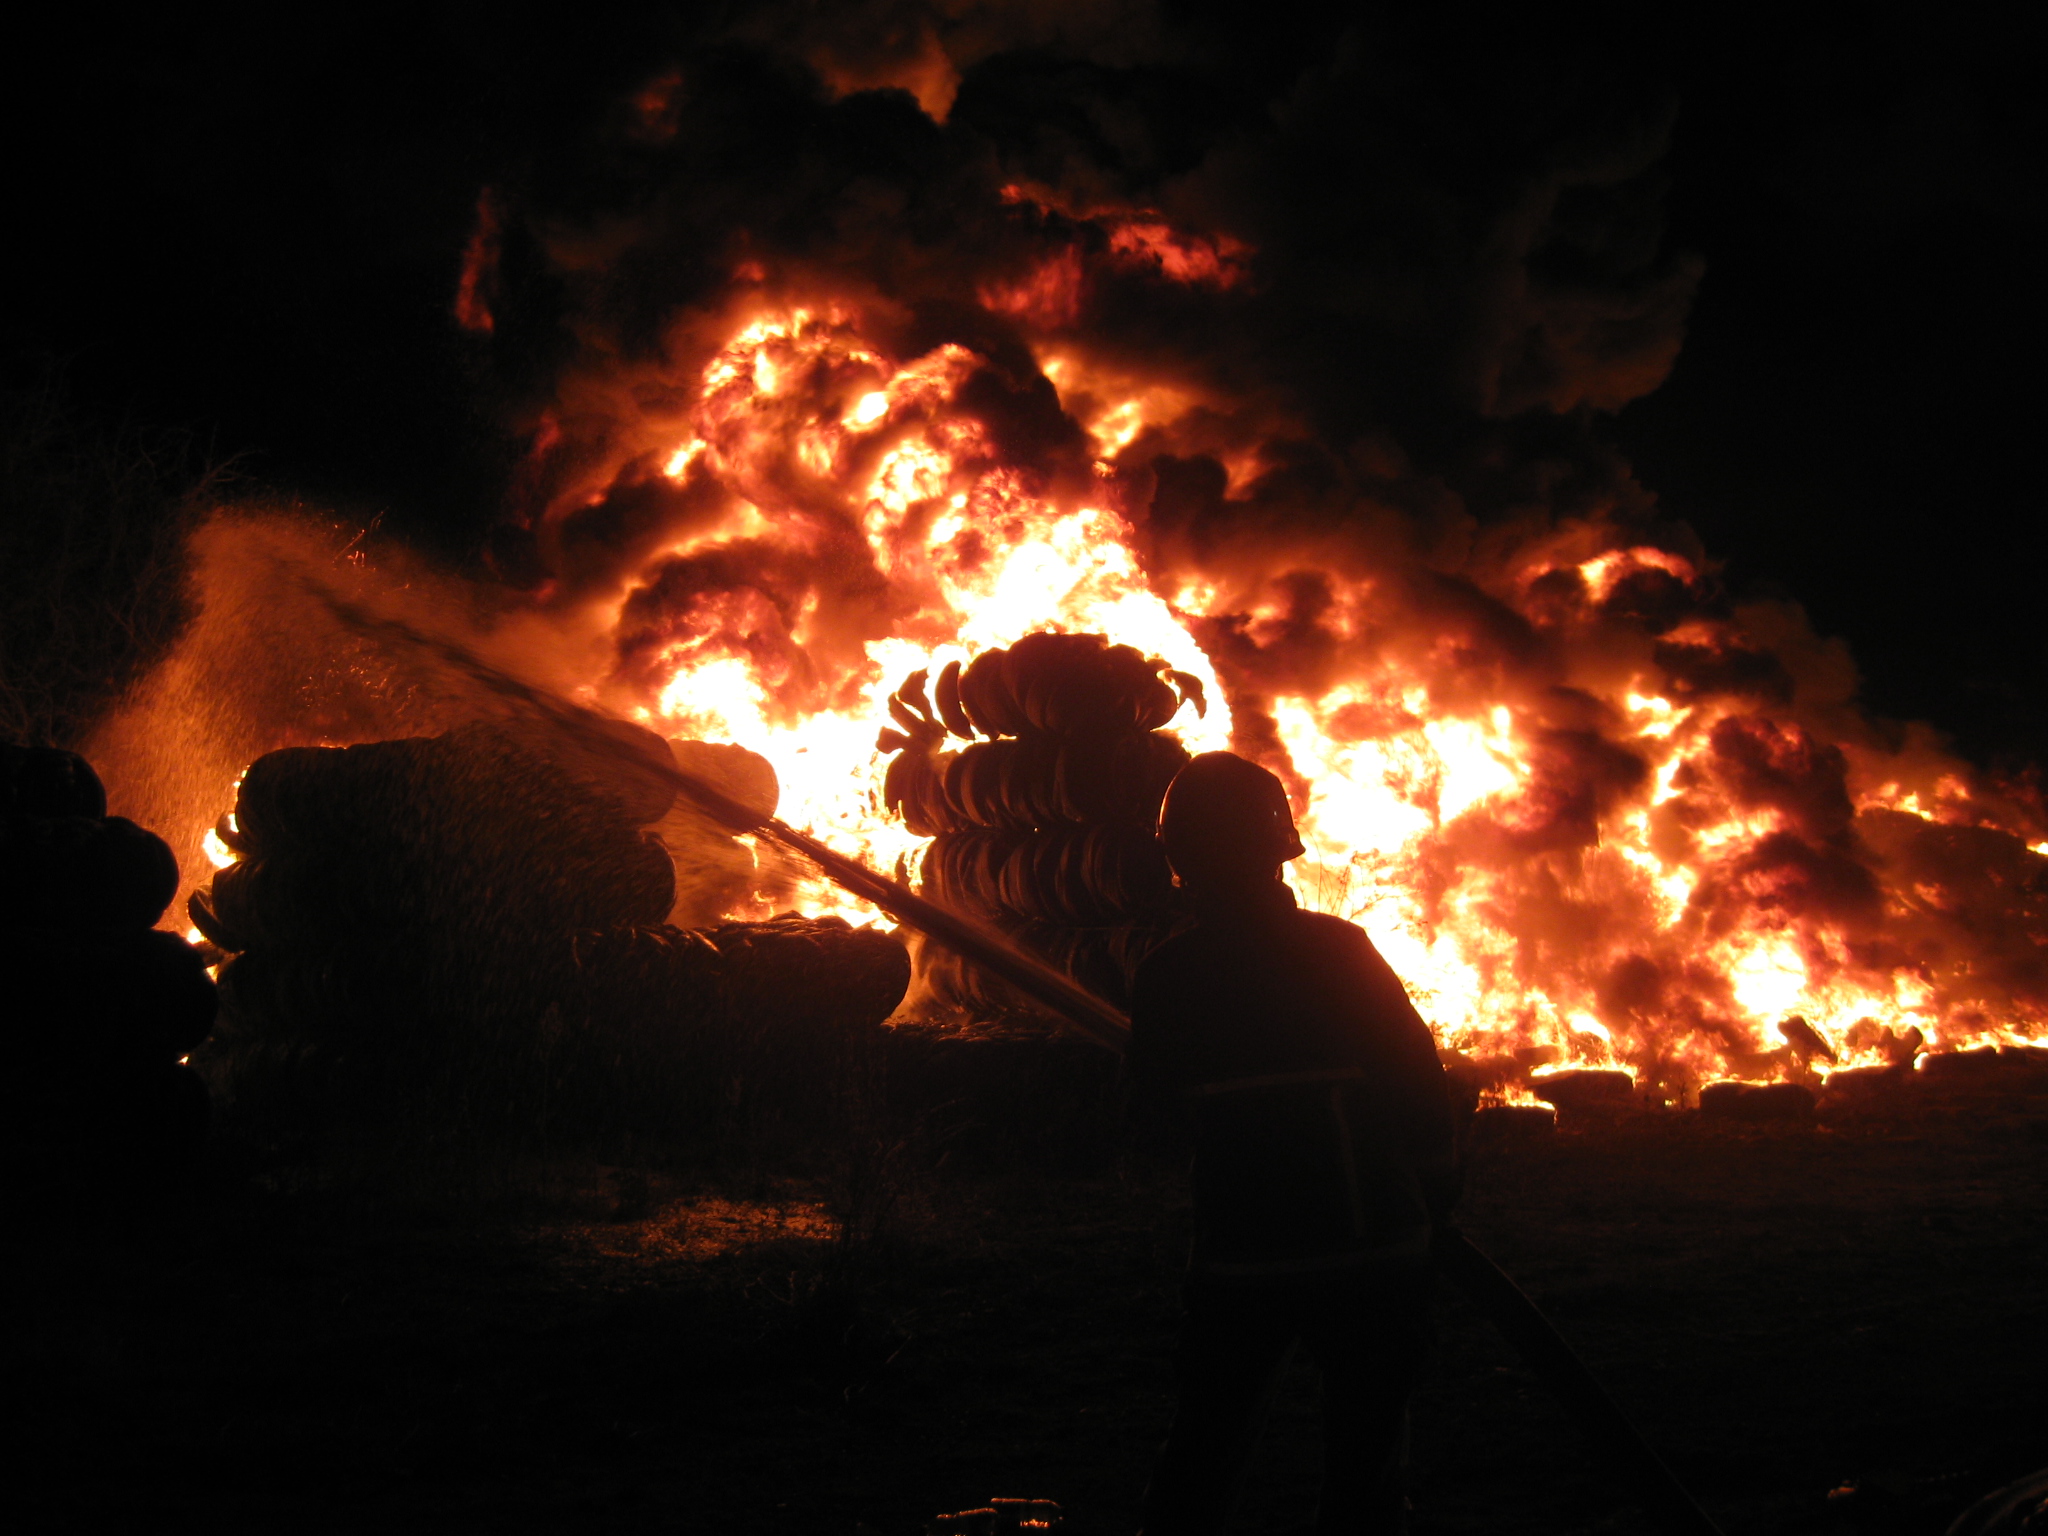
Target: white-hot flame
column 971, row 556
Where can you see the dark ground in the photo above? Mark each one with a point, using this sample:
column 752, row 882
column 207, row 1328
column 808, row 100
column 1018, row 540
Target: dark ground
column 1787, row 1310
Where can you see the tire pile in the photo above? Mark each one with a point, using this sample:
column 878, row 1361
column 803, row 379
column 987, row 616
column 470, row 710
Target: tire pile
column 104, row 1007
column 1043, row 826
column 463, row 934
column 747, row 1033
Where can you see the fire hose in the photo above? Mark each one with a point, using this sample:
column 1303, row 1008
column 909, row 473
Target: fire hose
column 1489, row 1287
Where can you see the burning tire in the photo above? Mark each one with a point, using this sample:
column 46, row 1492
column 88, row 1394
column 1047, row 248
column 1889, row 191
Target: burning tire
column 1044, row 829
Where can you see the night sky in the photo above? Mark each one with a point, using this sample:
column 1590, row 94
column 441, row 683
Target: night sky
column 253, row 230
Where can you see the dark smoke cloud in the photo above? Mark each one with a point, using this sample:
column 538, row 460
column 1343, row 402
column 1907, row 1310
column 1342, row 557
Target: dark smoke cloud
column 1439, row 241
column 1402, row 266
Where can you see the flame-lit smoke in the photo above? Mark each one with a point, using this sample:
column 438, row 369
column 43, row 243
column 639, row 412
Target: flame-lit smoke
column 892, row 352
column 1580, row 803
column 1589, row 806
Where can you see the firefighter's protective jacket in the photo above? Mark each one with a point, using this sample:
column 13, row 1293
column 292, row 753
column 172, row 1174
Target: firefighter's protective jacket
column 1320, row 1116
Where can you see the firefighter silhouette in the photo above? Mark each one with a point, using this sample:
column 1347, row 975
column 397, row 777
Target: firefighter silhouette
column 1288, row 1050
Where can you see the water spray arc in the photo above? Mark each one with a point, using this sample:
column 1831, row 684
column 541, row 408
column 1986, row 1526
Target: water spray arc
column 1088, row 1014
column 1456, row 1256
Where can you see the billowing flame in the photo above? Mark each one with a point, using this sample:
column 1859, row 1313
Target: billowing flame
column 972, row 559
column 1594, row 811
column 1685, row 848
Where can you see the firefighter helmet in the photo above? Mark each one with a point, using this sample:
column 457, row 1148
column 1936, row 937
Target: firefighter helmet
column 1225, row 818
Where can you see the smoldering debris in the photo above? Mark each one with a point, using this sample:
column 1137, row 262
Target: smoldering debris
column 1586, row 1094
column 1757, row 1102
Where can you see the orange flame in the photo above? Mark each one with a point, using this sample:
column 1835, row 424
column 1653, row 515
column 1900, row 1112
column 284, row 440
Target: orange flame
column 1692, row 901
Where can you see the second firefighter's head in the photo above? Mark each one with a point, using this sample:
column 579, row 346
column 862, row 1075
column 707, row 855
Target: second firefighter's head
column 1225, row 824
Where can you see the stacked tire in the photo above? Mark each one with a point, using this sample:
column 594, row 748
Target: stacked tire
column 464, row 934
column 1043, row 825
column 378, row 881
column 104, row 1112
column 739, row 1038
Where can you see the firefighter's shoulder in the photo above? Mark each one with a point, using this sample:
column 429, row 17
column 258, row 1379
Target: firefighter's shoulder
column 1328, row 931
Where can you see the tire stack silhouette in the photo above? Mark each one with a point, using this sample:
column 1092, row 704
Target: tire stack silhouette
column 104, row 1007
column 462, row 931
column 1044, row 824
